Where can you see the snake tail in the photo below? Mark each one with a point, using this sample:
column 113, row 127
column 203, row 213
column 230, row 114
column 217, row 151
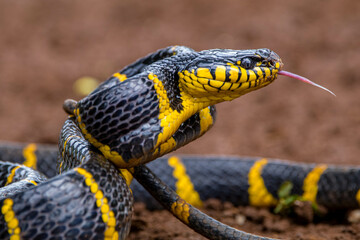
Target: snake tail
column 69, row 106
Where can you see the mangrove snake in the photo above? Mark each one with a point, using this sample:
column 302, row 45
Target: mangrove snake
column 152, row 107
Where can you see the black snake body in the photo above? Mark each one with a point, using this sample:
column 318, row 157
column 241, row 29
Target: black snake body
column 154, row 106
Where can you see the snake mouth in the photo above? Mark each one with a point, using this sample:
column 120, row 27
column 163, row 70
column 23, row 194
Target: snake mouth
column 203, row 88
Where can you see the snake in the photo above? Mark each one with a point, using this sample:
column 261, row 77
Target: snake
column 159, row 103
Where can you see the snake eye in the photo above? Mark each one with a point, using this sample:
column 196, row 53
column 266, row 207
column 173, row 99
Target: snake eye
column 265, row 63
column 247, row 63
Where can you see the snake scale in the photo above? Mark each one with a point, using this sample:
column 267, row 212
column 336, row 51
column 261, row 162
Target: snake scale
column 148, row 109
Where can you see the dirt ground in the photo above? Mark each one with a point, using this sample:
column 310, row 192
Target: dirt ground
column 46, row 45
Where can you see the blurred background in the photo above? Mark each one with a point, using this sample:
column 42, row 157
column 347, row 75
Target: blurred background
column 45, row 46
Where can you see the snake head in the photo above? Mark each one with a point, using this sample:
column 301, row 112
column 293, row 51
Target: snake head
column 225, row 74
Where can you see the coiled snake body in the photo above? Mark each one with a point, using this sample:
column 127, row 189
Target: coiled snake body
column 152, row 107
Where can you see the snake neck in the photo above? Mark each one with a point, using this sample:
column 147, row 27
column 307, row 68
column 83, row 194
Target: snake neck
column 165, row 74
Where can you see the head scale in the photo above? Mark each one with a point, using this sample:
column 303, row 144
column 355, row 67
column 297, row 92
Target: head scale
column 226, row 74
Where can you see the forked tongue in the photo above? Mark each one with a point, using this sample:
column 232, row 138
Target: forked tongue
column 303, row 79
